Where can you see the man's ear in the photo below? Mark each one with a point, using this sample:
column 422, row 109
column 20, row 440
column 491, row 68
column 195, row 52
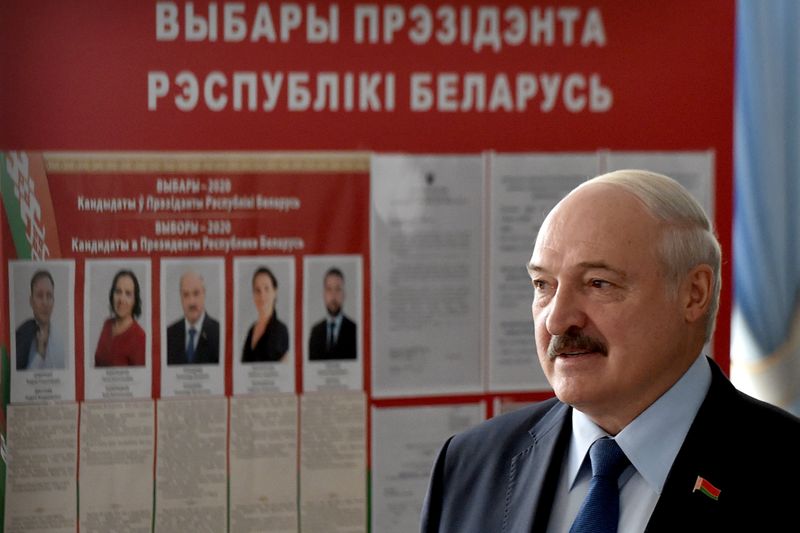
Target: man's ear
column 697, row 290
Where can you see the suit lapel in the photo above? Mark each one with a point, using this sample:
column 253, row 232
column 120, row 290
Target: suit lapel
column 531, row 484
column 680, row 507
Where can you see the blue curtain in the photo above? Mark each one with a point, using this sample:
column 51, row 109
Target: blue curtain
column 766, row 228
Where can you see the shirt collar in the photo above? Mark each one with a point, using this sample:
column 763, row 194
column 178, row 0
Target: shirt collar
column 652, row 440
column 196, row 325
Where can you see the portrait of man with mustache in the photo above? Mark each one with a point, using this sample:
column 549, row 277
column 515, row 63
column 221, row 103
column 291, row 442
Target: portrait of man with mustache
column 194, row 338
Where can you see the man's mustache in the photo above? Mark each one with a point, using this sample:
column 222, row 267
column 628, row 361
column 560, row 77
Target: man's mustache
column 574, row 341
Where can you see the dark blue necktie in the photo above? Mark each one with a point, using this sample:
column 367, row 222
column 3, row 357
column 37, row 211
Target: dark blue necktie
column 190, row 346
column 599, row 512
column 331, row 339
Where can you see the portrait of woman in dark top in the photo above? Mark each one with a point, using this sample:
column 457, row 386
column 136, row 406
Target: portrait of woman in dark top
column 267, row 339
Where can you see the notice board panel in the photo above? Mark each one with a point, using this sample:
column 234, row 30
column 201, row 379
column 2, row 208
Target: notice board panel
column 213, row 138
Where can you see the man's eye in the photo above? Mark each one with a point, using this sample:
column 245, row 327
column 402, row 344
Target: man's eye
column 599, row 283
column 539, row 284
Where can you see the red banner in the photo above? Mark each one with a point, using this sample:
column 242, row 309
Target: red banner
column 349, row 75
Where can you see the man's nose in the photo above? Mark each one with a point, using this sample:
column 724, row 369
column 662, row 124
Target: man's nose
column 566, row 311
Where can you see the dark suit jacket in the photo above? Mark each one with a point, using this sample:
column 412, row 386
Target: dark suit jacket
column 207, row 345
column 26, row 333
column 501, row 475
column 345, row 347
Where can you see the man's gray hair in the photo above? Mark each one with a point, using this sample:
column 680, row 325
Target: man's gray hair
column 688, row 238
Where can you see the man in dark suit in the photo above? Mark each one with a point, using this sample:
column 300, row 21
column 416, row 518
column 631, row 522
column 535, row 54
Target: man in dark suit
column 335, row 336
column 626, row 278
column 194, row 339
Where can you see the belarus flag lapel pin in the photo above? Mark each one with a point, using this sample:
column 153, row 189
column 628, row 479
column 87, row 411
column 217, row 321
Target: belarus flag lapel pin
column 706, row 488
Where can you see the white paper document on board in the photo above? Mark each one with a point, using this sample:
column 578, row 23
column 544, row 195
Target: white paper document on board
column 405, row 441
column 116, row 479
column 427, row 273
column 263, row 463
column 333, row 462
column 191, row 476
column 42, row 460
